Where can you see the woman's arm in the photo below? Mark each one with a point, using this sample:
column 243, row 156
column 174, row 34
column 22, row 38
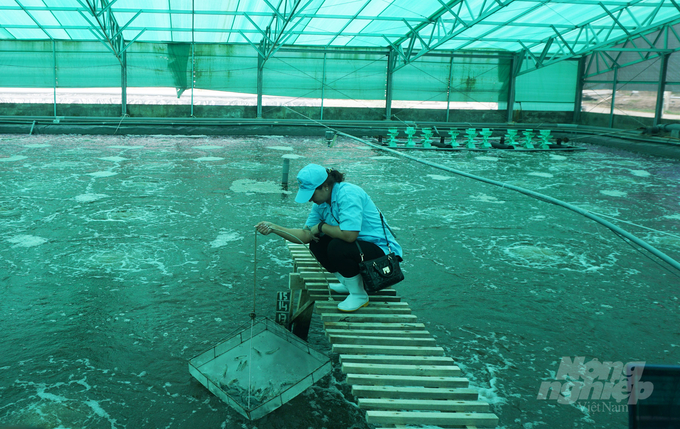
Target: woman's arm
column 293, row 235
column 334, row 231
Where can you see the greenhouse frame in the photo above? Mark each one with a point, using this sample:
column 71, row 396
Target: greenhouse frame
column 603, row 63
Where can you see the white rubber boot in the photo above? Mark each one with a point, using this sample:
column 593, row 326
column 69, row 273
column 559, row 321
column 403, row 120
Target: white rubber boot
column 357, row 295
column 341, row 288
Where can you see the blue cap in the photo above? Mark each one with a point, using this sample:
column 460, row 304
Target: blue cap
column 309, row 178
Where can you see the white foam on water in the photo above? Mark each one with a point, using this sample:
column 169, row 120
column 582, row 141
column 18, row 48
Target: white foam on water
column 37, row 145
column 66, row 164
column 114, row 158
column 248, row 185
column 88, row 198
column 209, row 158
column 224, row 238
column 13, row 158
column 207, row 147
column 486, row 158
column 536, row 173
column 27, row 241
column 613, row 193
column 439, row 177
column 673, row 216
column 98, row 410
column 486, row 199
column 127, row 147
column 280, row 147
column 102, row 174
column 383, row 157
column 640, row 173
column 558, row 157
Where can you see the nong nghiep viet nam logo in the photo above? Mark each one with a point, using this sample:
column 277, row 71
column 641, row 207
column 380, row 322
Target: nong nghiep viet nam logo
column 578, row 380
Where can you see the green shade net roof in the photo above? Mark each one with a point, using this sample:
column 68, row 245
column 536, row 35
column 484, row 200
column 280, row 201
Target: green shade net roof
column 544, row 30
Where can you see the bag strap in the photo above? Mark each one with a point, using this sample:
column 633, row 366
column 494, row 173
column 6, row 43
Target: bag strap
column 361, row 252
column 385, row 224
column 382, row 220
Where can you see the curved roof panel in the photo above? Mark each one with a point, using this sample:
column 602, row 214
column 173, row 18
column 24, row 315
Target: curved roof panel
column 534, row 28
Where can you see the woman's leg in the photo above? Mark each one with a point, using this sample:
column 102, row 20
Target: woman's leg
column 345, row 257
column 320, row 251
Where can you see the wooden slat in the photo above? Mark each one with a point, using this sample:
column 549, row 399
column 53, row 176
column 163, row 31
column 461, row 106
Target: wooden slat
column 310, row 263
column 326, row 307
column 431, row 418
column 362, row 317
column 396, row 359
column 398, row 374
column 407, row 380
column 387, row 369
column 387, row 350
column 321, row 286
column 379, row 332
column 382, row 341
column 423, row 405
column 337, row 298
column 384, row 326
column 392, row 305
column 393, row 392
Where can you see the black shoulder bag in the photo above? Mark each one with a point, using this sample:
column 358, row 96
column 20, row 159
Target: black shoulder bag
column 382, row 272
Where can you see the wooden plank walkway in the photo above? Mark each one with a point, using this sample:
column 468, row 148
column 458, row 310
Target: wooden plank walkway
column 396, row 370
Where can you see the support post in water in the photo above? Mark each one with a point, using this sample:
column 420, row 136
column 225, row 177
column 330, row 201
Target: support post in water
column 284, row 176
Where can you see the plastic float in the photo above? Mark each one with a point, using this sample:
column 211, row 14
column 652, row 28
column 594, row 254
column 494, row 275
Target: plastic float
column 427, row 137
column 454, row 134
column 545, row 137
column 392, row 133
column 471, row 133
column 528, row 136
column 410, row 131
column 486, row 133
column 511, row 140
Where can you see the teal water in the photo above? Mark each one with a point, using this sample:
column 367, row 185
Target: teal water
column 123, row 257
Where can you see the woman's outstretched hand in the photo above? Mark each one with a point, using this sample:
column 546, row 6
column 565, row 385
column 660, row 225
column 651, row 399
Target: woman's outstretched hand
column 264, row 228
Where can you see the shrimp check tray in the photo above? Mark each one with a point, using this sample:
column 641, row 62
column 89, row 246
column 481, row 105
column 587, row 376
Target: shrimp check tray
column 259, row 369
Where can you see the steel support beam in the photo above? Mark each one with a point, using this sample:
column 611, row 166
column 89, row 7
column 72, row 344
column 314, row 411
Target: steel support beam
column 260, row 80
column 323, row 85
column 448, row 90
column 438, row 28
column 123, row 84
column 613, row 103
column 282, row 22
column 54, row 59
column 589, row 39
column 658, row 112
column 391, row 61
column 105, row 25
column 580, row 80
column 515, row 65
